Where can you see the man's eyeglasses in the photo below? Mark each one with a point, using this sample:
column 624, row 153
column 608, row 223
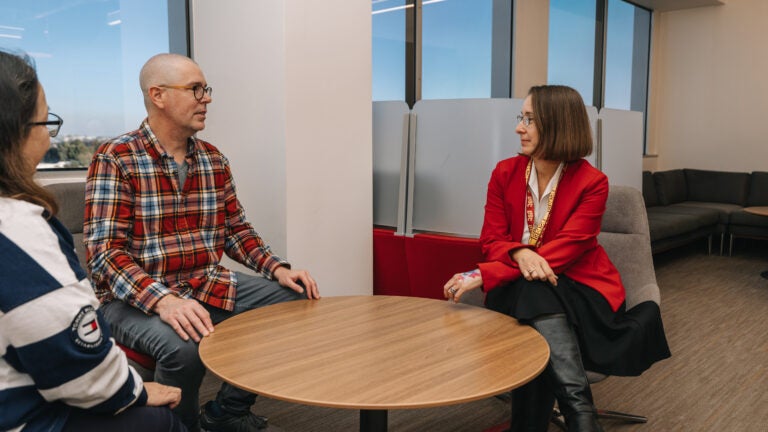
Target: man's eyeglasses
column 198, row 90
column 53, row 124
column 525, row 119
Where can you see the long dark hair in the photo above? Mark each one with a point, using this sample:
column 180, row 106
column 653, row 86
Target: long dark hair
column 19, row 89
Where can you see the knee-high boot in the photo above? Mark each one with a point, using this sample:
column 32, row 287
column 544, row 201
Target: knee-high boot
column 532, row 406
column 566, row 373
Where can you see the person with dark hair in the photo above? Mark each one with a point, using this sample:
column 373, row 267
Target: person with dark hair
column 161, row 211
column 61, row 369
column 544, row 266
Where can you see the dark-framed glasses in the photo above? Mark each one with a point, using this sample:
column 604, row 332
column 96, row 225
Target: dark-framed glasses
column 53, row 124
column 198, row 90
column 525, row 119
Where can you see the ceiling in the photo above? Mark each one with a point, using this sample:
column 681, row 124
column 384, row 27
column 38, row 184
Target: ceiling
column 670, row 5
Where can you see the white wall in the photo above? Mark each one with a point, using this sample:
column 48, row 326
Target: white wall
column 292, row 111
column 709, row 97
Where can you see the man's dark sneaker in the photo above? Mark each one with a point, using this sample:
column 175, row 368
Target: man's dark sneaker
column 227, row 422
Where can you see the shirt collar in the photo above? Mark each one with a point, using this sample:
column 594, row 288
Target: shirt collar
column 154, row 145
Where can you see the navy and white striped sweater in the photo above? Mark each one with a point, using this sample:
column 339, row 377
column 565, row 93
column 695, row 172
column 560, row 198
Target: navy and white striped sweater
column 55, row 347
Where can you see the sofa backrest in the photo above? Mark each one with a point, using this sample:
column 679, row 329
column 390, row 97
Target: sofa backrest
column 650, row 196
column 717, row 186
column 758, row 189
column 670, row 186
column 71, row 199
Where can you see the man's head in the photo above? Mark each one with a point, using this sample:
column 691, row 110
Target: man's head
column 176, row 93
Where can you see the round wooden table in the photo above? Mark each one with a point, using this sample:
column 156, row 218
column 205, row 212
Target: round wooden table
column 762, row 211
column 374, row 353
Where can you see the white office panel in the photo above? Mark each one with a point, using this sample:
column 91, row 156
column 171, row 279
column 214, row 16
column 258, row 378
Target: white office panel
column 458, row 143
column 622, row 147
column 390, row 150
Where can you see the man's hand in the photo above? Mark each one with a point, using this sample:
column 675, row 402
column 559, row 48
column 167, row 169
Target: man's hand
column 288, row 278
column 186, row 316
column 534, row 266
column 162, row 395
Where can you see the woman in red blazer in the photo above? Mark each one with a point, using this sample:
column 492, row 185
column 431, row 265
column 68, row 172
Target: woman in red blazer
column 543, row 264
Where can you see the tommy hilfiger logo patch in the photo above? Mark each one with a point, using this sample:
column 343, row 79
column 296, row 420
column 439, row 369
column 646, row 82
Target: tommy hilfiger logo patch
column 85, row 330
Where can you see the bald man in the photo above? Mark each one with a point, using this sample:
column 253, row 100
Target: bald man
column 161, row 210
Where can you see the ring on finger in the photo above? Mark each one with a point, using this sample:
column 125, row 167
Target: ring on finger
column 452, row 290
column 531, row 271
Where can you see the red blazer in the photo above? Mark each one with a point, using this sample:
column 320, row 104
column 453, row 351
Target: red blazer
column 569, row 243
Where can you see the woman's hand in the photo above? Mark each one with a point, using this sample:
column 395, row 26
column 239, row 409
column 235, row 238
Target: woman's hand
column 533, row 266
column 461, row 283
column 162, row 395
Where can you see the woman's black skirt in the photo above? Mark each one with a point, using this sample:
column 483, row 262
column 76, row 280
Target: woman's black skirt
column 623, row 343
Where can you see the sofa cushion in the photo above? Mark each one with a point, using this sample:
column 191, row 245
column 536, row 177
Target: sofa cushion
column 742, row 217
column 717, row 186
column 758, row 189
column 724, row 210
column 649, row 190
column 665, row 222
column 670, row 186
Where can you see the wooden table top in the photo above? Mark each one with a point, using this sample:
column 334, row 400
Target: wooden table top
column 760, row 210
column 374, row 352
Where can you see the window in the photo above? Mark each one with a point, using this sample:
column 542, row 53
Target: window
column 88, row 54
column 456, row 49
column 441, row 49
column 571, row 55
column 388, row 49
column 627, row 54
column 610, row 71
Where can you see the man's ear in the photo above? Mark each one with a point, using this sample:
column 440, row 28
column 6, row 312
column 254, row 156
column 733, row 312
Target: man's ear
column 156, row 96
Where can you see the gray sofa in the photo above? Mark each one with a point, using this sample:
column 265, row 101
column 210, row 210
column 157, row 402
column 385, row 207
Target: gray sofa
column 71, row 199
column 684, row 205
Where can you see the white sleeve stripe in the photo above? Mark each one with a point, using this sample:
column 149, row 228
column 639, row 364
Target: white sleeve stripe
column 37, row 239
column 24, row 326
column 96, row 386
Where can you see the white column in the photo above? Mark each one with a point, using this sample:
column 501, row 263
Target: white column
column 292, row 111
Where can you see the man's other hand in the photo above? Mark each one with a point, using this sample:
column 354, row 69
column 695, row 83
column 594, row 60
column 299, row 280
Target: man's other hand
column 186, row 316
column 289, row 278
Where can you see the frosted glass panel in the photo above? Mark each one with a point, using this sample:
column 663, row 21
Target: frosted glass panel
column 458, row 143
column 592, row 113
column 622, row 147
column 390, row 128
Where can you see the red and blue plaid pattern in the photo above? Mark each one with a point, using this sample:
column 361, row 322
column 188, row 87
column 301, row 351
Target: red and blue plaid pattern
column 146, row 237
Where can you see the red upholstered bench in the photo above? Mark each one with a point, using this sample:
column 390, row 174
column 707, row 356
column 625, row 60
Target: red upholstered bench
column 141, row 359
column 419, row 266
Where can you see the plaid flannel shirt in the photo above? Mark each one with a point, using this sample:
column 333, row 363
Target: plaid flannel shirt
column 146, row 237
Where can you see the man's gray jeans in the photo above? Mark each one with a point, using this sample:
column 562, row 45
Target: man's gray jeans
column 177, row 362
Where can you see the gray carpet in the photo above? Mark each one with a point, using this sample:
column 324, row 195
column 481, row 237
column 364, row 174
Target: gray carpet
column 714, row 310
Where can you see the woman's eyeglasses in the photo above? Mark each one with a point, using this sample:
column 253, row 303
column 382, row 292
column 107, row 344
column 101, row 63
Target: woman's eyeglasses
column 53, row 124
column 525, row 120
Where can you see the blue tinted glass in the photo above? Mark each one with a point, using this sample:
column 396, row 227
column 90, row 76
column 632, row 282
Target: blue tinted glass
column 388, row 49
column 571, row 55
column 456, row 49
column 626, row 68
column 88, row 56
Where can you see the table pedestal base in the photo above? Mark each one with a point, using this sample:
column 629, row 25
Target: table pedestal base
column 373, row 420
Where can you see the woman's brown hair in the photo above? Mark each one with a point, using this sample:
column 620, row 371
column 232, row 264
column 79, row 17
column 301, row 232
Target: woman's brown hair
column 562, row 121
column 19, row 89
